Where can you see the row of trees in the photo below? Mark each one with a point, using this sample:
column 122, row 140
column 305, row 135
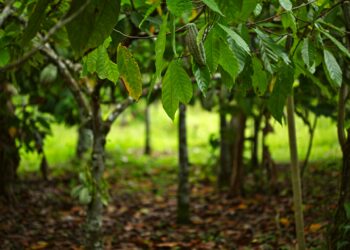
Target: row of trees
column 86, row 61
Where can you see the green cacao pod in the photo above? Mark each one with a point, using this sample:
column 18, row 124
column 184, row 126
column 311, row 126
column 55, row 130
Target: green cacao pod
column 195, row 48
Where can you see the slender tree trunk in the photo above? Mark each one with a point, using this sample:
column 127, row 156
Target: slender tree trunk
column 224, row 170
column 183, row 192
column 267, row 162
column 95, row 208
column 85, row 137
column 255, row 142
column 296, row 183
column 147, row 131
column 9, row 154
column 338, row 234
column 236, row 185
column 312, row 129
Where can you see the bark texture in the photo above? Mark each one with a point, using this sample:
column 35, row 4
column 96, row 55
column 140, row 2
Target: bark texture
column 183, row 192
column 9, row 154
column 148, row 149
column 237, row 175
column 296, row 183
column 94, row 214
column 338, row 235
column 224, row 169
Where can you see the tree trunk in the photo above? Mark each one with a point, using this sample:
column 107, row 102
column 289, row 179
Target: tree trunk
column 255, row 142
column 95, row 208
column 9, row 154
column 85, row 140
column 338, row 234
column 296, row 183
column 224, row 170
column 267, row 162
column 183, row 192
column 236, row 185
column 147, row 131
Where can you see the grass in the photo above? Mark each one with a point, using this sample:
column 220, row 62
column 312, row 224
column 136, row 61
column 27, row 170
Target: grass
column 126, row 140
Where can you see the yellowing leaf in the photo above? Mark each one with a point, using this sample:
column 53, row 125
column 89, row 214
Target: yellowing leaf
column 242, row 206
column 39, row 245
column 284, row 221
column 12, row 131
column 315, row 227
column 129, row 72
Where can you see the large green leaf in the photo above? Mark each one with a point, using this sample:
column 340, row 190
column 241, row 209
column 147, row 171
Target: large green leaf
column 228, row 60
column 308, row 55
column 259, row 77
column 35, row 21
column 202, row 76
column 160, row 47
column 239, row 40
column 282, row 88
column 333, row 70
column 212, row 49
column 4, row 56
column 150, row 10
column 178, row 7
column 340, row 46
column 176, row 88
column 213, row 6
column 98, row 61
column 91, row 27
column 237, row 10
column 129, row 72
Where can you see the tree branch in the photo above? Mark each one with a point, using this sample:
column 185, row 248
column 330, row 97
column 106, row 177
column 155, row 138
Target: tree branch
column 69, row 79
column 6, row 12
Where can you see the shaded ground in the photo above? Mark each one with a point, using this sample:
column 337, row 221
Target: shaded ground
column 142, row 216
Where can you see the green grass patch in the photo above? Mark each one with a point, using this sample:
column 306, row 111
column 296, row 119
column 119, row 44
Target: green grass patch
column 126, row 140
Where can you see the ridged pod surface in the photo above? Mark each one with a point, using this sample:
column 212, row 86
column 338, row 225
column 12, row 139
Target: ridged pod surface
column 196, row 49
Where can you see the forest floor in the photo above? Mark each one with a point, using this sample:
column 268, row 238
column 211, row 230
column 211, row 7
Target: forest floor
column 142, row 212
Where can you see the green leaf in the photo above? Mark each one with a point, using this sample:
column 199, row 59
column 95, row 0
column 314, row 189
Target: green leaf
column 213, row 6
column 160, row 47
column 340, row 46
column 237, row 38
column 288, row 21
column 228, row 60
column 314, row 79
column 35, row 21
column 271, row 53
column 4, row 56
column 286, row 4
column 259, row 77
column 202, row 76
column 84, row 196
column 48, row 74
column 178, row 7
column 308, row 55
column 237, row 10
column 333, row 69
column 212, row 50
column 226, row 78
column 176, row 88
column 129, row 72
column 150, row 10
column 282, row 88
column 98, row 61
column 91, row 27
